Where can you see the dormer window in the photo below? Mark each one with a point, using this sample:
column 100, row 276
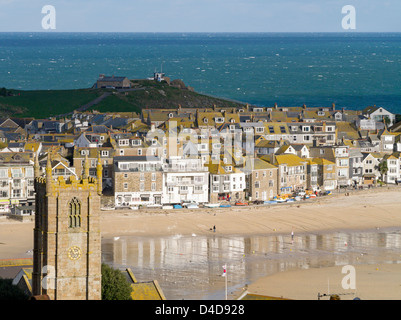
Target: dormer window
column 229, row 168
column 123, row 142
column 84, row 152
column 219, row 120
column 306, row 129
column 205, row 120
column 170, row 115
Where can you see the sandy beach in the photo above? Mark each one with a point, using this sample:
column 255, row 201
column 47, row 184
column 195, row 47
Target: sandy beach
column 361, row 210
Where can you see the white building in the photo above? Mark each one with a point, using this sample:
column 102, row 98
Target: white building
column 379, row 114
column 185, row 179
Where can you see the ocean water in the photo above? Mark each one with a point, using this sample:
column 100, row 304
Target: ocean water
column 352, row 70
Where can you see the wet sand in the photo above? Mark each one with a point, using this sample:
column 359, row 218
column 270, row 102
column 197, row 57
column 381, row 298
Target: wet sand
column 372, row 282
column 363, row 210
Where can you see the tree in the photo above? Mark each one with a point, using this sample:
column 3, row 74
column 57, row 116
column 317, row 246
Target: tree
column 382, row 167
column 114, row 284
column 10, row 292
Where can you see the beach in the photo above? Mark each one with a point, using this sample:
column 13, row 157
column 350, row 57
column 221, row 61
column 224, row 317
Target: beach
column 361, row 210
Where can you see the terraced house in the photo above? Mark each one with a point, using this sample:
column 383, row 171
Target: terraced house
column 261, row 180
column 17, row 181
column 138, row 180
column 226, row 182
column 292, row 171
column 185, row 180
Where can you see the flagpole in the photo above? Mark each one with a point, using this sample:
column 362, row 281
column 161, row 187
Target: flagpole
column 225, row 276
column 226, row 285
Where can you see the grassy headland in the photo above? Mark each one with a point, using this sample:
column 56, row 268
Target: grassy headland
column 144, row 94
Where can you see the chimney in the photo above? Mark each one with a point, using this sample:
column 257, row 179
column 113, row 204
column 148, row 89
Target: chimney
column 333, row 107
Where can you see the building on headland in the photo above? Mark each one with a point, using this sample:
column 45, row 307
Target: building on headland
column 112, row 82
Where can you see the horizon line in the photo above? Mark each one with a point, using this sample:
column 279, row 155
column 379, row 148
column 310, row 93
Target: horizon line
column 210, row 32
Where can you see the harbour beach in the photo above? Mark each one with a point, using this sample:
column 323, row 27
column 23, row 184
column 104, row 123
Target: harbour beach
column 370, row 210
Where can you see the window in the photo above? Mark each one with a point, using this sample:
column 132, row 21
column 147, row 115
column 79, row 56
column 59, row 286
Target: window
column 271, row 129
column 74, row 214
column 3, row 173
column 141, row 186
column 282, row 129
column 153, row 186
column 124, row 142
column 259, row 129
column 105, row 153
column 139, row 152
column 125, row 185
column 257, row 184
column 153, row 176
column 121, row 152
column 29, row 172
column 16, row 173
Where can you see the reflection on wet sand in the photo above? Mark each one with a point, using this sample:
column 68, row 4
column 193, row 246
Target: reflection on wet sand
column 191, row 267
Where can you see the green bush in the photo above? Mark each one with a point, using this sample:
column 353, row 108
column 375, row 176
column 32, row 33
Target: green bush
column 10, row 292
column 114, row 284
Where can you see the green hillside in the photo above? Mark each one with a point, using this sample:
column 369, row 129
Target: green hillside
column 42, row 104
column 145, row 94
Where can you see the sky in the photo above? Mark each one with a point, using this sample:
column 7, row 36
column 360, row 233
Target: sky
column 200, row 15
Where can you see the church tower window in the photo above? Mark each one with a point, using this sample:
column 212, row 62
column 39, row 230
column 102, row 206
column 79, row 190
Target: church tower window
column 75, row 213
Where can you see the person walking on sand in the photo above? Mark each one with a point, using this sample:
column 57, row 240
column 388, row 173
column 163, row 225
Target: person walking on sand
column 292, row 236
column 214, row 228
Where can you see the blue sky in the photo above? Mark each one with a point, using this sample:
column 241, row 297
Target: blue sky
column 200, row 15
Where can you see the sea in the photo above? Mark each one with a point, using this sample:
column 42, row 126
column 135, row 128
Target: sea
column 352, row 70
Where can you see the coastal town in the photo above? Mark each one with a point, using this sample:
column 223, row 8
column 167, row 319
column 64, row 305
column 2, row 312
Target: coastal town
column 202, row 157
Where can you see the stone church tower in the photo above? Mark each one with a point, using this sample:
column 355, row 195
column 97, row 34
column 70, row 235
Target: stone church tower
column 67, row 241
